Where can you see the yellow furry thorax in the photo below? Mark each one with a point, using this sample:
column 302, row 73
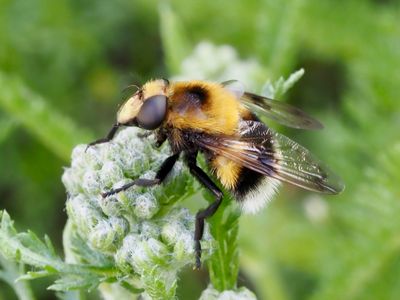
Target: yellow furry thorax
column 220, row 114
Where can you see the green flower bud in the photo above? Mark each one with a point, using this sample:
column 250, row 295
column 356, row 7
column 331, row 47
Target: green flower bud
column 71, row 180
column 123, row 256
column 149, row 230
column 178, row 233
column 110, row 173
column 156, row 251
column 140, row 229
column 111, row 206
column 83, row 213
column 78, row 158
column 184, row 247
column 171, row 232
column 91, row 182
column 240, row 294
column 89, row 157
column 146, row 206
column 107, row 235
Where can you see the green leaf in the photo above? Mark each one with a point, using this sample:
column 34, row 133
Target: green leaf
column 78, row 250
column 281, row 86
column 71, row 282
column 56, row 131
column 34, row 275
column 71, row 295
column 175, row 43
column 157, row 288
column 130, row 287
column 30, row 250
column 7, row 126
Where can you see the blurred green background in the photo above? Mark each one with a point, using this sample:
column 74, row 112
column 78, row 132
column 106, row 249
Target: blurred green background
column 63, row 64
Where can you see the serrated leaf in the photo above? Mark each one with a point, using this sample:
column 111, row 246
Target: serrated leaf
column 29, row 249
column 291, row 81
column 156, row 287
column 130, row 287
column 7, row 224
column 71, row 295
column 31, row 241
column 34, row 275
column 85, row 253
column 50, row 246
column 68, row 283
column 281, row 86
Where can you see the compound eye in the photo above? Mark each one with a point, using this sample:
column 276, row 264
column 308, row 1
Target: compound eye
column 153, row 112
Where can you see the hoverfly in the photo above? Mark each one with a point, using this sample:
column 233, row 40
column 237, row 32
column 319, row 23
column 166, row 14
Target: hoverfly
column 219, row 120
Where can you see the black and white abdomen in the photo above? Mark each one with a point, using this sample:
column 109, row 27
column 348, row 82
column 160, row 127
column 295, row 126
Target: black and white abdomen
column 254, row 190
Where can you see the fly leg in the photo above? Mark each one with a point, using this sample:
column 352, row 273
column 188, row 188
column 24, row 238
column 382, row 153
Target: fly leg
column 160, row 136
column 162, row 173
column 203, row 178
column 143, row 135
column 108, row 138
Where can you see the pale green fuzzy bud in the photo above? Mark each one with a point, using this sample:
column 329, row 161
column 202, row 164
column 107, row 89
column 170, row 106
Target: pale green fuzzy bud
column 83, row 213
column 239, row 294
column 146, row 206
column 180, row 224
column 131, row 162
column 111, row 206
column 172, row 231
column 110, row 173
column 123, row 256
column 138, row 228
column 155, row 251
column 184, row 217
column 149, row 230
column 141, row 255
column 184, row 247
column 72, row 181
column 107, row 235
column 91, row 182
column 78, row 158
column 89, row 157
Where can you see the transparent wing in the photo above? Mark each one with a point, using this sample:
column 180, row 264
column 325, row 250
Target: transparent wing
column 278, row 111
column 261, row 149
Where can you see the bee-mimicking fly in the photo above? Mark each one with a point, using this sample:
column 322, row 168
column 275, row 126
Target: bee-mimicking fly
column 219, row 120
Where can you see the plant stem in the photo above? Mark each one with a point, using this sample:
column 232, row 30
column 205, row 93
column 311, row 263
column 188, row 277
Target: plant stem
column 10, row 274
column 224, row 262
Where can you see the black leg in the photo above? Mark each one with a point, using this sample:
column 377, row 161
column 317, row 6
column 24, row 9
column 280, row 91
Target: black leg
column 108, row 138
column 162, row 173
column 143, row 135
column 161, row 137
column 208, row 212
